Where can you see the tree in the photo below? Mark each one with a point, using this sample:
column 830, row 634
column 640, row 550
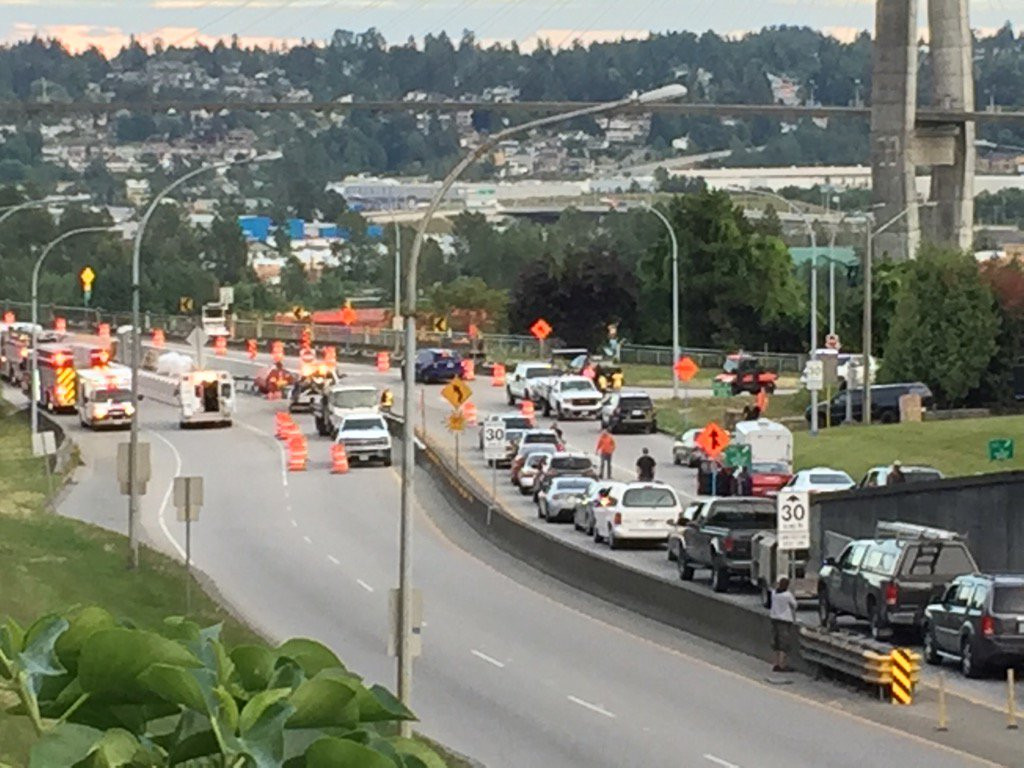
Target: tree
column 946, row 326
column 100, row 692
column 470, row 293
column 1006, row 281
column 225, row 250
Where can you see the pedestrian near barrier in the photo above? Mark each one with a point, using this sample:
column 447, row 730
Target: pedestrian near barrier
column 298, row 453
column 605, row 451
column 783, row 617
column 498, row 375
column 339, row 459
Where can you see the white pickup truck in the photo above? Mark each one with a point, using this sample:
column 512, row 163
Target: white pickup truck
column 521, row 385
column 365, row 437
column 569, row 397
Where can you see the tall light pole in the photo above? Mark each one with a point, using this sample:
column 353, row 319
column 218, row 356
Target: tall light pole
column 133, row 440
column 675, row 292
column 34, row 360
column 666, row 93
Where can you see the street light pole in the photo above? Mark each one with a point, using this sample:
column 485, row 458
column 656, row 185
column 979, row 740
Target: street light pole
column 34, row 360
column 133, row 440
column 666, row 93
column 675, row 292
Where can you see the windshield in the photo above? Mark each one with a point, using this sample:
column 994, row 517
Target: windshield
column 742, row 518
column 1008, row 600
column 213, row 313
column 363, row 424
column 571, row 462
column 354, row 398
column 112, row 396
column 822, row 478
column 443, row 354
column 577, row 386
column 769, row 468
column 536, row 459
column 540, row 371
column 731, row 366
column 530, row 449
column 517, row 422
column 649, row 497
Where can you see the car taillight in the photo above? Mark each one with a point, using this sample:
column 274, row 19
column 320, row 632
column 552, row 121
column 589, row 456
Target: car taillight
column 988, row 626
column 618, row 518
column 728, row 543
column 892, row 593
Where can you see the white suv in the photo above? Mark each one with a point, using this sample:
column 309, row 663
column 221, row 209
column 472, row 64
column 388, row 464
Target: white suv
column 518, row 384
column 365, row 437
column 637, row 512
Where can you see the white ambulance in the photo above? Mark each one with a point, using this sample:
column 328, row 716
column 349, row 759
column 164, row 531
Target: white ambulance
column 105, row 397
column 206, row 397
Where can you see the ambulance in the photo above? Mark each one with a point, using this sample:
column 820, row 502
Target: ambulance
column 206, row 397
column 105, row 397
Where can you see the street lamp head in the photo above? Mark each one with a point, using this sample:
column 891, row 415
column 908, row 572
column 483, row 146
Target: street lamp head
column 670, row 92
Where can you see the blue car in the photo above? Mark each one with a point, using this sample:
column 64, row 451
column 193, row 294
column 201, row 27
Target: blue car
column 434, row 366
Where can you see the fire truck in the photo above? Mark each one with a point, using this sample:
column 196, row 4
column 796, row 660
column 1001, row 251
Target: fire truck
column 105, row 397
column 58, row 380
column 15, row 345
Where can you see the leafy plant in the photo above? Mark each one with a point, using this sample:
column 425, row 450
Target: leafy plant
column 101, row 694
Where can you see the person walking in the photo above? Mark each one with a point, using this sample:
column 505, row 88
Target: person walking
column 645, row 467
column 783, row 617
column 605, row 451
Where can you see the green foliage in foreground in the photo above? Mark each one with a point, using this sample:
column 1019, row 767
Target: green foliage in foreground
column 100, row 694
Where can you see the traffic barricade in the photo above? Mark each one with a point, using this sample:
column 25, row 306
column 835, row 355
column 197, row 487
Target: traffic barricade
column 281, row 420
column 383, row 362
column 220, row 346
column 858, row 657
column 528, row 410
column 339, row 459
column 468, row 370
column 498, row 375
column 251, row 348
column 298, row 453
column 469, row 412
column 158, row 338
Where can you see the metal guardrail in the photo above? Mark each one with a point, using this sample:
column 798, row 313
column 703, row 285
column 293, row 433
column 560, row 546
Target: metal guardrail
column 854, row 656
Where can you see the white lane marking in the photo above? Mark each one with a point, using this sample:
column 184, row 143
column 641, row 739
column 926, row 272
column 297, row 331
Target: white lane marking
column 364, row 585
column 294, row 524
column 484, row 657
column 276, row 442
column 167, row 496
column 334, row 560
column 719, row 761
column 592, row 707
column 307, row 539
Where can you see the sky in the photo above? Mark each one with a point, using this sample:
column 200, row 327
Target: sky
column 107, row 23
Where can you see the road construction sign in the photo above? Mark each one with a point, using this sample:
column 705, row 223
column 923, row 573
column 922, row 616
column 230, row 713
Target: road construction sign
column 713, row 440
column 457, row 392
column 456, row 421
column 541, row 329
column 685, row 369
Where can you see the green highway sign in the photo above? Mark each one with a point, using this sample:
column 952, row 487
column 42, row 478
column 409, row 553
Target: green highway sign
column 737, row 456
column 1000, row 449
column 721, row 389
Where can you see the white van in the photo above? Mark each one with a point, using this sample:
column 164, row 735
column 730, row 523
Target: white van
column 769, row 441
column 206, row 397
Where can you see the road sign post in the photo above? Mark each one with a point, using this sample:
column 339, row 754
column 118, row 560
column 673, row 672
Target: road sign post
column 494, row 451
column 540, row 330
column 685, row 369
column 188, row 499
column 127, row 476
column 794, row 520
column 1000, row 449
column 45, row 444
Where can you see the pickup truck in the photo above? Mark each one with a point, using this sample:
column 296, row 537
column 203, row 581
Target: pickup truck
column 520, row 384
column 365, row 437
column 338, row 402
column 719, row 538
column 569, row 397
column 890, row 581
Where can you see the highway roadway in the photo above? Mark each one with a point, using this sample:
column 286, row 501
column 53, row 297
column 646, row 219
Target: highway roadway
column 516, row 671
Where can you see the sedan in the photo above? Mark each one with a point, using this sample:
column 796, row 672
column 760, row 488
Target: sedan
column 583, row 515
column 531, row 471
column 767, row 477
column 557, row 498
column 820, row 480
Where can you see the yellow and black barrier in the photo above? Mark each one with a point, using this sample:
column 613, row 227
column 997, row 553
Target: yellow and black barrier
column 858, row 657
column 903, row 675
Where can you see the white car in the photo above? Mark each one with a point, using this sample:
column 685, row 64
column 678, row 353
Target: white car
column 583, row 516
column 365, row 437
column 518, row 385
column 531, row 471
column 878, row 476
column 557, row 500
column 636, row 512
column 570, row 397
column 819, row 480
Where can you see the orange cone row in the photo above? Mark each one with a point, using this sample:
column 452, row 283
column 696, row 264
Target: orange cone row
column 298, row 453
column 281, row 421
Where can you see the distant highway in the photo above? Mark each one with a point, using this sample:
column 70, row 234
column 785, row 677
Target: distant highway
column 516, row 671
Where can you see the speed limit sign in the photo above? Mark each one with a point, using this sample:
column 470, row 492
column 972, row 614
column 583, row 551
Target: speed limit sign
column 794, row 520
column 494, row 440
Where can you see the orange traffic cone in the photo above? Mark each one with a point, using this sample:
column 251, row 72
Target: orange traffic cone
column 469, row 411
column 498, row 375
column 281, row 420
column 291, row 430
column 528, row 410
column 468, row 370
column 298, row 453
column 339, row 459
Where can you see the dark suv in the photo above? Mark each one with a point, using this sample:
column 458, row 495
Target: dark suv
column 979, row 621
column 437, row 365
column 629, row 409
column 889, row 582
column 885, row 403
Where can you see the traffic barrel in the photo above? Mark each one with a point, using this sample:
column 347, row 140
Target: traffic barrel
column 298, row 453
column 528, row 410
column 331, row 356
column 281, row 419
column 339, row 459
column 383, row 362
column 220, row 346
column 60, row 325
column 250, row 348
column 158, row 338
column 469, row 411
column 468, row 370
column 277, row 351
column 498, row 375
column 103, row 331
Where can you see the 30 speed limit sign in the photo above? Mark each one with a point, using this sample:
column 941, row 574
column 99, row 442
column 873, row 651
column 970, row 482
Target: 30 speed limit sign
column 494, row 440
column 794, row 520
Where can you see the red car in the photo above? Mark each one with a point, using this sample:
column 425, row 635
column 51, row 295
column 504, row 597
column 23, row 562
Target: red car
column 272, row 375
column 767, row 478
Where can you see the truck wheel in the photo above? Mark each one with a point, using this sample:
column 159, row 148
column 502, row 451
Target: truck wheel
column 931, row 653
column 508, row 394
column 387, row 459
column 826, row 616
column 879, row 631
column 719, row 578
column 685, row 569
column 613, row 543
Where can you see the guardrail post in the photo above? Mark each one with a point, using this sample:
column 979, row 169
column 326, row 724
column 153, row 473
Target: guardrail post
column 1011, row 704
column 943, row 715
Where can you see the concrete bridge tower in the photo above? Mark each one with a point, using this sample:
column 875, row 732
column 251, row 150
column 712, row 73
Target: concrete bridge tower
column 899, row 143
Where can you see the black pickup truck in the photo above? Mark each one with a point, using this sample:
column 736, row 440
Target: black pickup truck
column 889, row 582
column 718, row 537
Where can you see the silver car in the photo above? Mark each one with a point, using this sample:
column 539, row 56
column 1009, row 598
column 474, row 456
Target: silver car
column 558, row 497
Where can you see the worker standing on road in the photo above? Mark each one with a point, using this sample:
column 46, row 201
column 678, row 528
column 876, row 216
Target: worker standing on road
column 896, row 476
column 605, row 451
column 645, row 467
column 387, row 400
column 558, row 433
column 783, row 616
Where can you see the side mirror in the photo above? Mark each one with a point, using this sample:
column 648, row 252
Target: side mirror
column 830, row 561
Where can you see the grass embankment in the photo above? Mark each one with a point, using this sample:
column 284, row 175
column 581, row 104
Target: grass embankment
column 676, row 418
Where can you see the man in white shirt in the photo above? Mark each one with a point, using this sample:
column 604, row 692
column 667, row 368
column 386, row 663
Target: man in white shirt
column 783, row 617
